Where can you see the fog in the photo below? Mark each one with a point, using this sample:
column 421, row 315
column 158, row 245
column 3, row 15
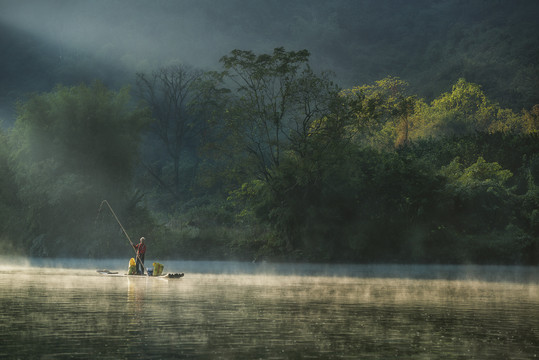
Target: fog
column 139, row 28
column 52, row 313
column 512, row 274
column 428, row 44
column 142, row 33
column 69, row 42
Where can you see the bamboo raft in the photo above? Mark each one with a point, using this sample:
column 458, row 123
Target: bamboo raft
column 106, row 272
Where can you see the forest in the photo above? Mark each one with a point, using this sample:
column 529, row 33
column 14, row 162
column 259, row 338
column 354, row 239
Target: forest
column 263, row 156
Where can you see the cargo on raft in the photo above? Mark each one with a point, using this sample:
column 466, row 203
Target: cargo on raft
column 155, row 272
column 163, row 276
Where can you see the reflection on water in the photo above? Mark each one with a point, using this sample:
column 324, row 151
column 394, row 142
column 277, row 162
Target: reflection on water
column 76, row 313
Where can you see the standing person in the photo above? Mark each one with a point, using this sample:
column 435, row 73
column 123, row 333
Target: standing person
column 141, row 250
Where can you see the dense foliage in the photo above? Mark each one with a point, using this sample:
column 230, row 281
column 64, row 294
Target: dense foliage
column 269, row 159
column 70, row 149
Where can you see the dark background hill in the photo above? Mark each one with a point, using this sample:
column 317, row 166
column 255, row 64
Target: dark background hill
column 429, row 44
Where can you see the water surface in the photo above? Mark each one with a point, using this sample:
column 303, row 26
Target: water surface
column 237, row 310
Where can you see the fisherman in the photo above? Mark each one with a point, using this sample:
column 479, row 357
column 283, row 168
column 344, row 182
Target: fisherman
column 140, row 248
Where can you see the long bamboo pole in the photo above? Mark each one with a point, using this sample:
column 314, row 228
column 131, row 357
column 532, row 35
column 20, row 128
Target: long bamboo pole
column 123, row 229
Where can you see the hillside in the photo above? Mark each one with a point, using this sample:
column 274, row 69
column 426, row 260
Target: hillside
column 428, row 44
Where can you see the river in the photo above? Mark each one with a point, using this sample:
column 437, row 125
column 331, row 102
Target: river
column 64, row 309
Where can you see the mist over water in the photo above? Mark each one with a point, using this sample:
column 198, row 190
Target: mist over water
column 228, row 310
column 490, row 273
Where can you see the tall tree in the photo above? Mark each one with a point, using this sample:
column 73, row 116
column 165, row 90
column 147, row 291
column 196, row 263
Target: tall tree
column 180, row 98
column 279, row 98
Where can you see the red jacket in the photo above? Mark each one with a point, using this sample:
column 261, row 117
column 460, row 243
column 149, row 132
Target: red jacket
column 141, row 249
